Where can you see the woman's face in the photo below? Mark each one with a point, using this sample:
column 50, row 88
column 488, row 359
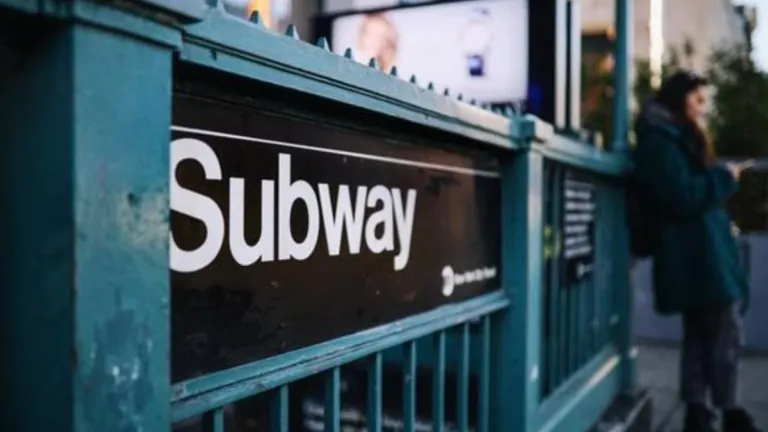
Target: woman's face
column 695, row 104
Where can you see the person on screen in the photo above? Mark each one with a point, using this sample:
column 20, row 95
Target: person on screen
column 377, row 38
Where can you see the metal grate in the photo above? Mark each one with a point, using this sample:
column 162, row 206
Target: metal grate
column 449, row 349
column 577, row 310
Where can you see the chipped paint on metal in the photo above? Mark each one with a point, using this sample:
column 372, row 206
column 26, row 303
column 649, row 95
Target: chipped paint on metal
column 118, row 368
column 143, row 218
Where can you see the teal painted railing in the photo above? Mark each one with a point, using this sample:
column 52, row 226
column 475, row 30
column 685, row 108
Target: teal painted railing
column 578, row 315
column 87, row 95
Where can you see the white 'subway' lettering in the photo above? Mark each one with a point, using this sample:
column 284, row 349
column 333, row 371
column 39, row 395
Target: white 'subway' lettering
column 391, row 211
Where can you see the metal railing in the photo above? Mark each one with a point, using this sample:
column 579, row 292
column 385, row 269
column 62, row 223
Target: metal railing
column 578, row 309
column 537, row 352
column 454, row 340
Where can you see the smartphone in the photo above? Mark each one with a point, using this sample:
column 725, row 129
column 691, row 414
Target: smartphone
column 746, row 164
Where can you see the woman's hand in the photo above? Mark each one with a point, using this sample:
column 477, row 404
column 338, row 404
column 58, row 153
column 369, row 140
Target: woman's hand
column 735, row 170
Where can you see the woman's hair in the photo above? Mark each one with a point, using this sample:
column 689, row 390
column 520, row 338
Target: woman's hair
column 673, row 94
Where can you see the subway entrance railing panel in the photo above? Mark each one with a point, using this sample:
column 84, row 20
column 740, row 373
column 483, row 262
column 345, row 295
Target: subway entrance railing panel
column 329, row 229
column 329, row 239
column 263, row 235
column 578, row 309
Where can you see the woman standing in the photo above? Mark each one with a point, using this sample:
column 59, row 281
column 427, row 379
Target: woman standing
column 697, row 272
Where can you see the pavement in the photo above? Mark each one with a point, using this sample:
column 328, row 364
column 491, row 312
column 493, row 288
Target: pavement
column 657, row 370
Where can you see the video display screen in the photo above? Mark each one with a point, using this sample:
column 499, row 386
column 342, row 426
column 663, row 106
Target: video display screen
column 476, row 48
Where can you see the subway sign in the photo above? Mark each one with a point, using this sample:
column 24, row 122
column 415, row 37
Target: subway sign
column 287, row 232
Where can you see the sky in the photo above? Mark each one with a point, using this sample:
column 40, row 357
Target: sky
column 760, row 37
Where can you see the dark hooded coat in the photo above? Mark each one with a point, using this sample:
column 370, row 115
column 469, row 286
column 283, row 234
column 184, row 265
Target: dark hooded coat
column 695, row 260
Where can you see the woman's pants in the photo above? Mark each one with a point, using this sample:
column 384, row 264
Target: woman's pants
column 712, row 341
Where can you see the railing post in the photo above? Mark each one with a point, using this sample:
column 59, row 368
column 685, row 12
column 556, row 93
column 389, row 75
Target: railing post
column 621, row 121
column 624, row 296
column 622, row 79
column 518, row 330
column 85, row 131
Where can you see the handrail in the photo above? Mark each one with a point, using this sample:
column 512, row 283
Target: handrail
column 198, row 395
column 580, row 155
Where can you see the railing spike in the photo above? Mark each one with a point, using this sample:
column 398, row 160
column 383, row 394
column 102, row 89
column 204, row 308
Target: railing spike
column 323, row 43
column 460, row 97
column 373, row 63
column 446, row 92
column 393, row 71
column 430, row 86
column 255, row 18
column 292, row 32
column 473, row 102
column 216, row 4
column 349, row 54
column 413, row 79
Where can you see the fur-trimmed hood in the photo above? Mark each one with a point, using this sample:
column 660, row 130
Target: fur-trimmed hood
column 655, row 116
column 655, row 119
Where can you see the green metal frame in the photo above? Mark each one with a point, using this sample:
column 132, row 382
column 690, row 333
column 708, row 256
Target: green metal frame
column 86, row 106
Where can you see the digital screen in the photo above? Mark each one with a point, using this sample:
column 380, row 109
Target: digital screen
column 476, row 48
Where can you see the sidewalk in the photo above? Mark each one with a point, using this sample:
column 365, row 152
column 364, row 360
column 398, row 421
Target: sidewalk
column 658, row 371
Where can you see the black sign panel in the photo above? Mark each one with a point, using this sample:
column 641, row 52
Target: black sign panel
column 289, row 232
column 578, row 226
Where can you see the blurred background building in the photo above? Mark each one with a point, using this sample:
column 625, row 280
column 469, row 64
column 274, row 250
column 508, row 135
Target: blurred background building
column 278, row 14
column 698, row 26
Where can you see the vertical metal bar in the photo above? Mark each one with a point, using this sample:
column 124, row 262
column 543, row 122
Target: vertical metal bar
column 573, row 330
column 592, row 322
column 333, row 400
column 561, row 62
column 603, row 269
column 213, row 421
column 484, row 384
column 279, row 419
column 610, row 215
column 582, row 313
column 569, row 291
column 566, row 293
column 610, row 278
column 574, row 78
column 583, row 326
column 438, row 384
column 462, row 377
column 546, row 333
column 624, row 296
column 375, row 390
column 546, row 300
column 594, row 279
column 565, row 319
column 623, row 56
column 594, row 276
column 409, row 386
column 518, row 329
column 554, row 288
column 613, row 308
